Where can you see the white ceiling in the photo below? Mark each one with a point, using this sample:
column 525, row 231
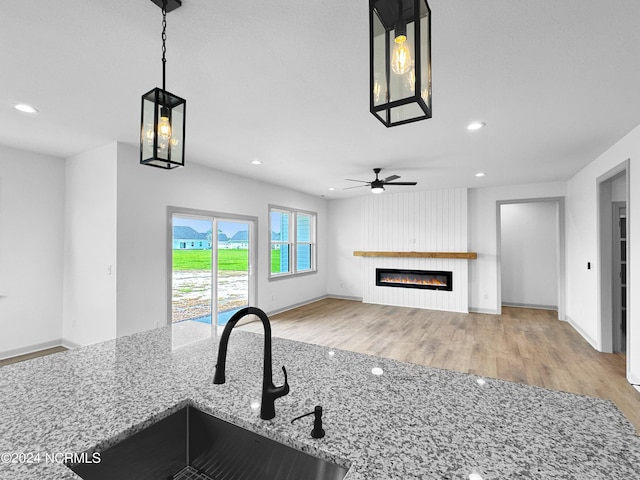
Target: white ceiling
column 287, row 81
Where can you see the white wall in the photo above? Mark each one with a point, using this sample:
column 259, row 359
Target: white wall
column 144, row 193
column 528, row 254
column 582, row 246
column 31, row 247
column 483, row 272
column 344, row 278
column 433, row 220
column 89, row 308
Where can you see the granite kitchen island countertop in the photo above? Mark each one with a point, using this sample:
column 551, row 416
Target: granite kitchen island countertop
column 409, row 422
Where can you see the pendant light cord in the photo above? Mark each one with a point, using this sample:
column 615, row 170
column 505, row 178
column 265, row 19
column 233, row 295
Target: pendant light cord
column 164, row 40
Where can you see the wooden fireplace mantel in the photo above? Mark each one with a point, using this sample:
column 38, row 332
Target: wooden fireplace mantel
column 462, row 255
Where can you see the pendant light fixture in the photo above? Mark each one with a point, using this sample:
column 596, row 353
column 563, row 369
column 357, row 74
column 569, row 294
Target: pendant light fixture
column 163, row 114
column 400, row 60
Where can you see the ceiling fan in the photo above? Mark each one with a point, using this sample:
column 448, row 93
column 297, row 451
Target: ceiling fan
column 377, row 185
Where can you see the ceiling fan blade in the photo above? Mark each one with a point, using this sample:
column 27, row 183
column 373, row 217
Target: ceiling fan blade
column 357, row 186
column 352, row 180
column 391, row 178
column 401, row 183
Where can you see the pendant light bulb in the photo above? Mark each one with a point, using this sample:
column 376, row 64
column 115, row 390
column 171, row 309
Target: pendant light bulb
column 164, row 126
column 401, row 57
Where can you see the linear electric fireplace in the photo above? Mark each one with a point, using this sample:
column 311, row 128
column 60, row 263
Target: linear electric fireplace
column 432, row 280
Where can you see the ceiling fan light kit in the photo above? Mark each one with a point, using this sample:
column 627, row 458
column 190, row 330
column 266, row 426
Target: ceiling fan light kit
column 163, row 115
column 376, row 187
column 400, row 60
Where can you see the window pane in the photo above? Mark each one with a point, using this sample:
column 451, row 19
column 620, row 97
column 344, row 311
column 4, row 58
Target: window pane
column 280, row 226
column 303, row 228
column 191, row 278
column 292, row 244
column 303, row 257
column 279, row 258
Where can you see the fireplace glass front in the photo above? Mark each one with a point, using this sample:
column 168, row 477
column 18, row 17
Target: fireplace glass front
column 427, row 279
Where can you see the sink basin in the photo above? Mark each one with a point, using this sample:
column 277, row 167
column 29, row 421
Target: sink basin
column 190, row 444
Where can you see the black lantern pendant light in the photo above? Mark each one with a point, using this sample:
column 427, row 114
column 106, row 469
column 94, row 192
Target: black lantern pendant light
column 163, row 114
column 400, row 60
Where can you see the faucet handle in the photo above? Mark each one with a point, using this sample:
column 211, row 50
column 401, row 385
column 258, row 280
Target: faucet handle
column 284, row 388
column 269, row 393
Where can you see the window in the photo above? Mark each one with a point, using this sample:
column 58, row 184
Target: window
column 293, row 241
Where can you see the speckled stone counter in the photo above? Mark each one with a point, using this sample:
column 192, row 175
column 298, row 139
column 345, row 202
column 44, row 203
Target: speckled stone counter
column 409, row 422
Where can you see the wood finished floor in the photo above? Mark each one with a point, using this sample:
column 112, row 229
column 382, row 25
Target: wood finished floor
column 29, row 356
column 522, row 345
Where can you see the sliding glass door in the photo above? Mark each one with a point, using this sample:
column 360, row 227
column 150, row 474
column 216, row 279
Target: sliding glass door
column 211, row 266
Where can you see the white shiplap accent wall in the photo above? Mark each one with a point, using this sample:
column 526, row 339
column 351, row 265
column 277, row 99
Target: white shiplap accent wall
column 429, row 221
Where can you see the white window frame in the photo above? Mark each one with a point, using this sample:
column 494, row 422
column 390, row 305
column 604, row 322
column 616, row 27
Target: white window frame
column 292, row 242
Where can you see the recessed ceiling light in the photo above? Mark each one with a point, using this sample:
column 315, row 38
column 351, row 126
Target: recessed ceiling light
column 23, row 107
column 256, row 162
column 475, row 125
column 331, row 189
column 480, row 174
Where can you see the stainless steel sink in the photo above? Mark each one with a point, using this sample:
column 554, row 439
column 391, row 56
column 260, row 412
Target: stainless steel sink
column 193, row 445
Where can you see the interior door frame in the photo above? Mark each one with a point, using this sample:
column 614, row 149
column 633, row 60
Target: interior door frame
column 215, row 216
column 605, row 258
column 560, row 248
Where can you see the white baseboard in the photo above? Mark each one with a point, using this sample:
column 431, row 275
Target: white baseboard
column 70, row 345
column 343, row 297
column 36, row 347
column 529, row 305
column 582, row 333
column 307, row 302
column 489, row 311
column 633, row 380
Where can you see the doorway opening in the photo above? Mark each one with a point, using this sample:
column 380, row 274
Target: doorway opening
column 613, row 253
column 531, row 254
column 211, row 265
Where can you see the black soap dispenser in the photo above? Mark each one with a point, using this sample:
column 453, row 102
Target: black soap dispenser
column 317, row 431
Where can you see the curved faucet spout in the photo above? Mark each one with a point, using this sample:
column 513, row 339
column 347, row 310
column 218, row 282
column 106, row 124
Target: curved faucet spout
column 269, row 391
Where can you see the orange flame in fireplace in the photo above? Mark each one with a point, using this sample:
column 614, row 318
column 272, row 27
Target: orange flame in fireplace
column 413, row 280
